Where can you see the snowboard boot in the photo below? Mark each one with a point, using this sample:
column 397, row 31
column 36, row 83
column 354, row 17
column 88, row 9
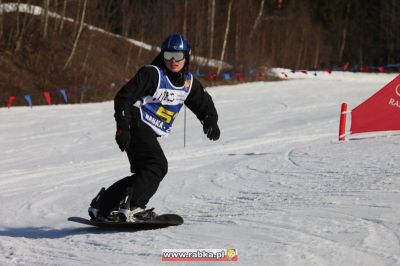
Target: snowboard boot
column 125, row 210
column 128, row 214
column 94, row 209
column 145, row 215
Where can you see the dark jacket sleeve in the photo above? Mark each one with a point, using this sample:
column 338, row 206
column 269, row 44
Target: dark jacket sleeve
column 201, row 103
column 142, row 84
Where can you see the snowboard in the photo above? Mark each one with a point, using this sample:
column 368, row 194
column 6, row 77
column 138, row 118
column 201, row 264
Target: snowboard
column 160, row 221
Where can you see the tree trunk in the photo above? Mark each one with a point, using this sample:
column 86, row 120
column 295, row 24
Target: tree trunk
column 344, row 32
column 258, row 19
column 84, row 64
column 46, row 5
column 17, row 32
column 77, row 35
column 228, row 20
column 63, row 16
column 25, row 25
column 317, row 48
column 140, row 47
column 56, row 21
column 184, row 27
column 300, row 53
column 237, row 37
column 76, row 24
column 211, row 35
column 1, row 24
column 128, row 59
column 126, row 17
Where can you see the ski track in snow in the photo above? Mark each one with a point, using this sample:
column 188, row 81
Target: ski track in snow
column 277, row 186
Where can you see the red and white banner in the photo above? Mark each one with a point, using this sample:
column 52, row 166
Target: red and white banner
column 380, row 112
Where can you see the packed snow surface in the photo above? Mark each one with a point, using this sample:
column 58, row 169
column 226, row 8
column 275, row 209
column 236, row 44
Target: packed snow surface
column 277, row 186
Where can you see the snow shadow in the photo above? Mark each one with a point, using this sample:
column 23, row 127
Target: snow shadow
column 247, row 154
column 51, row 233
column 369, row 136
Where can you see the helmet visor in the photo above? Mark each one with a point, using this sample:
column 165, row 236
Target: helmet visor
column 178, row 56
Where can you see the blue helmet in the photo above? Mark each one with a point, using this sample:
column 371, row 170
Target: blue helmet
column 176, row 42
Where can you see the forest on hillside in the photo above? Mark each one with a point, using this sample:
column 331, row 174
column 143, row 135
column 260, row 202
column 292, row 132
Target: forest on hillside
column 297, row 34
column 290, row 33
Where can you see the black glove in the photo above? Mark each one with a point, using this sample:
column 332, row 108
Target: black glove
column 123, row 138
column 211, row 128
column 126, row 120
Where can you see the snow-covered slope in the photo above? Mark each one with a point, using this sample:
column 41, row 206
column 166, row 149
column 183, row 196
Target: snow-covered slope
column 277, row 186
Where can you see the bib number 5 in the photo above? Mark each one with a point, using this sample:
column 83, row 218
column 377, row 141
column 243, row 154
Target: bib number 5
column 165, row 114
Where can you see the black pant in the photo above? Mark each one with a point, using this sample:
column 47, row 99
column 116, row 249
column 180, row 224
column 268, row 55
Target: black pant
column 148, row 165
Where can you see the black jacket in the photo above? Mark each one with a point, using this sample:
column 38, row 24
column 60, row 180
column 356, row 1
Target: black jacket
column 145, row 82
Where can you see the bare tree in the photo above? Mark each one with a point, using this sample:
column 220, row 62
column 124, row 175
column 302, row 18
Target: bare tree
column 344, row 32
column 128, row 58
column 57, row 21
column 237, row 34
column 1, row 23
column 127, row 18
column 184, row 27
column 211, row 16
column 23, row 29
column 84, row 63
column 46, row 5
column 141, row 34
column 63, row 13
column 77, row 16
column 390, row 19
column 258, row 19
column 81, row 23
column 317, row 48
column 18, row 28
column 228, row 20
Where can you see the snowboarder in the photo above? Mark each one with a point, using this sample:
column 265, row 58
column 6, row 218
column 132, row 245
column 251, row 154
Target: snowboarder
column 145, row 109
